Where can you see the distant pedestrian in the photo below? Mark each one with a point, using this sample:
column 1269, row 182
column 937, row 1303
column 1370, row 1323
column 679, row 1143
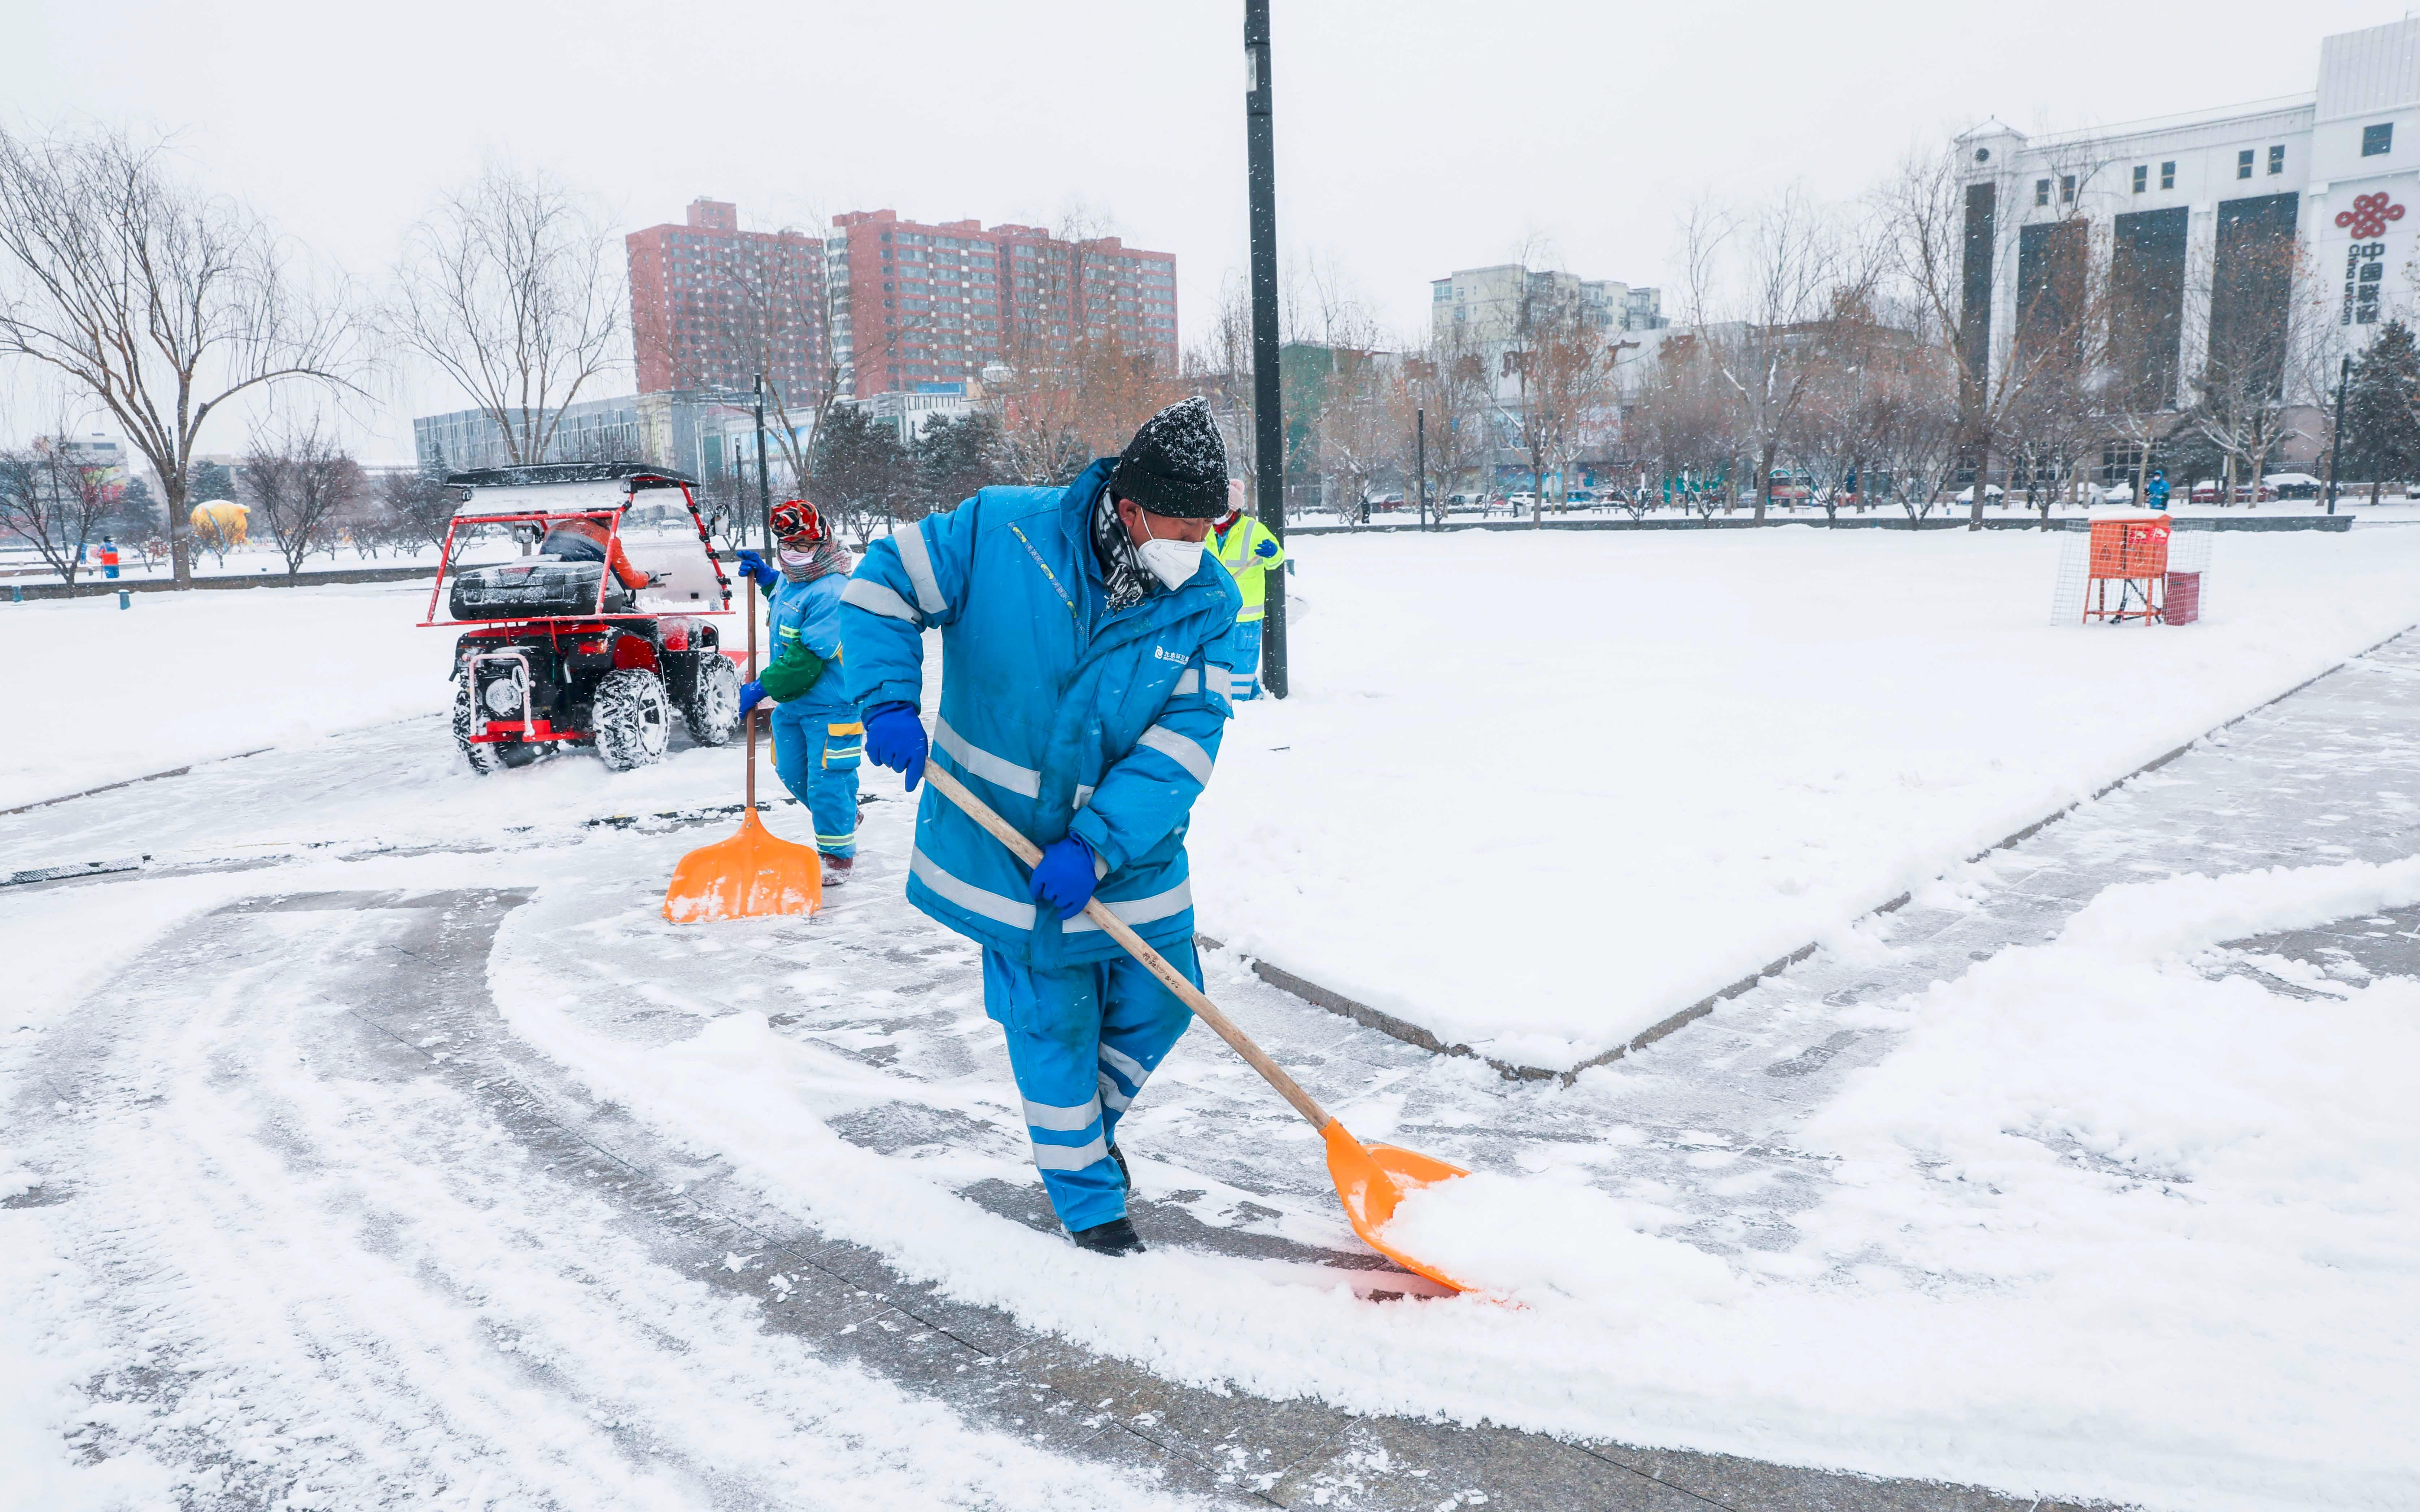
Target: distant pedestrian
column 108, row 557
column 2155, row 491
column 1249, row 550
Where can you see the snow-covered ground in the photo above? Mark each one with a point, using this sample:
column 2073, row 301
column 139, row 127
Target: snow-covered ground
column 2093, row 1219
column 1693, row 753
column 2104, row 1221
column 1537, row 795
column 186, row 677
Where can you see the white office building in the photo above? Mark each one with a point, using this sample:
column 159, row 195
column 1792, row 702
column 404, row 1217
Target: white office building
column 2189, row 218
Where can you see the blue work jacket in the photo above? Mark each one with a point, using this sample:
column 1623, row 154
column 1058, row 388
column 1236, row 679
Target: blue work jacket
column 1064, row 717
column 809, row 614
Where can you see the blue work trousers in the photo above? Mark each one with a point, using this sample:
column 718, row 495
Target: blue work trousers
column 1082, row 1041
column 817, row 756
column 1248, row 661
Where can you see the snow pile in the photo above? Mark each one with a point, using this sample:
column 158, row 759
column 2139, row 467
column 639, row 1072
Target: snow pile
column 102, row 694
column 1543, row 1241
column 1538, row 794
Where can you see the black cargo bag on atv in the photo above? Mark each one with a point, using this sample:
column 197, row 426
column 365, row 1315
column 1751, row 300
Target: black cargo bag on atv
column 543, row 588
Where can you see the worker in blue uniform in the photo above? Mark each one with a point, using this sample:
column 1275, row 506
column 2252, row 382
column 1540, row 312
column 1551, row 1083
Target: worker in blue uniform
column 1088, row 654
column 818, row 740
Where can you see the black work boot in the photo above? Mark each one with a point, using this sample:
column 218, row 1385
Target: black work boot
column 1120, row 1156
column 1116, row 1237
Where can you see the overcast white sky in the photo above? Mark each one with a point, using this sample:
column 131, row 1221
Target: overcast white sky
column 1413, row 136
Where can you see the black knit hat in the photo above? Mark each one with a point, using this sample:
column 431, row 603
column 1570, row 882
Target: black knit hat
column 1176, row 465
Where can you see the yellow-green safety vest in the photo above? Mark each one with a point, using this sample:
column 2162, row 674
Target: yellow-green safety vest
column 1236, row 550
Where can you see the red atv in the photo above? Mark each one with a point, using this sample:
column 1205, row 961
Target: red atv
column 596, row 638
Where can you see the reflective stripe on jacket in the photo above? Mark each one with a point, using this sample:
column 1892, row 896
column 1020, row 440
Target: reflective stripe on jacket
column 1237, row 552
column 1060, row 716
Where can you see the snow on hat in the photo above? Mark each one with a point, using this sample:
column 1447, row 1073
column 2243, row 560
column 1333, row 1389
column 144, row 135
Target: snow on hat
column 1176, row 465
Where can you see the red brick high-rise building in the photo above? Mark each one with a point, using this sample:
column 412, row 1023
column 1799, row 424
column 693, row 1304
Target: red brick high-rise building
column 711, row 306
column 914, row 304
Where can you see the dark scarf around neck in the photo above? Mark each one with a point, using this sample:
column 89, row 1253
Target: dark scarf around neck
column 1123, row 575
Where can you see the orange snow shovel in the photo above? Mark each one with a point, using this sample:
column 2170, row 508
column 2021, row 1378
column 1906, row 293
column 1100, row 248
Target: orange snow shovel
column 1371, row 1179
column 754, row 872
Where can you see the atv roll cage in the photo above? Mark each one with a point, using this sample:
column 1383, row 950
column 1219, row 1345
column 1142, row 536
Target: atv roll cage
column 547, row 657
column 516, row 506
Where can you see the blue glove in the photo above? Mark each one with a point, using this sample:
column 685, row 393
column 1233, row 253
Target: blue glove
column 751, row 694
column 754, row 565
column 1268, row 547
column 1064, row 879
column 895, row 738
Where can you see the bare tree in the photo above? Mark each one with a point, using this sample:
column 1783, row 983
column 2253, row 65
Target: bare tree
column 1681, row 420
column 516, row 293
column 418, row 507
column 1561, row 363
column 1808, row 286
column 54, row 502
column 161, row 301
column 1916, row 425
column 1935, row 222
column 2262, row 306
column 1450, row 382
column 299, row 486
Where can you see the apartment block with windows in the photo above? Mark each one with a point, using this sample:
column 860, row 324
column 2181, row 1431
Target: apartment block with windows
column 2209, row 224
column 712, row 305
column 919, row 306
column 1485, row 306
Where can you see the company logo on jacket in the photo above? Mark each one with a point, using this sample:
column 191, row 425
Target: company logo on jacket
column 1165, row 655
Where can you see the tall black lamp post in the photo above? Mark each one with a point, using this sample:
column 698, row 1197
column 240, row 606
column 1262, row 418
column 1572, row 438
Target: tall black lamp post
column 764, row 479
column 1268, row 425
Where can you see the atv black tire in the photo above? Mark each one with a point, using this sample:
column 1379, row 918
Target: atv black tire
column 633, row 719
column 488, row 755
column 712, row 712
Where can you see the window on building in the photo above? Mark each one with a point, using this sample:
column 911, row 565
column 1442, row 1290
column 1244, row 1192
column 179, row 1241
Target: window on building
column 2041, row 191
column 2377, row 141
column 2277, row 159
column 2142, row 177
column 2067, row 188
column 2243, row 163
column 2167, row 176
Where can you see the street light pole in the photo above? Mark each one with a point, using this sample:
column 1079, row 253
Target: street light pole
column 2335, row 437
column 1268, row 425
column 1420, row 459
column 764, row 479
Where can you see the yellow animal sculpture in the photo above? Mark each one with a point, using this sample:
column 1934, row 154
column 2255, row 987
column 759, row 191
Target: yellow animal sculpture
column 224, row 519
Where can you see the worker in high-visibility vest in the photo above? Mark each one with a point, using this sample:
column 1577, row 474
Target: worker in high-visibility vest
column 1247, row 548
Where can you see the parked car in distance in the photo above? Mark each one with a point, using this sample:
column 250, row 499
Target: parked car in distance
column 1521, row 499
column 1583, row 497
column 1462, row 500
column 2206, row 492
column 2292, row 484
column 1390, row 499
column 1992, row 491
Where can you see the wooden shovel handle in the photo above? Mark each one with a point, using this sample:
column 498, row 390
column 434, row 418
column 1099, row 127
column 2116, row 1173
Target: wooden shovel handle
column 751, row 677
column 1254, row 1056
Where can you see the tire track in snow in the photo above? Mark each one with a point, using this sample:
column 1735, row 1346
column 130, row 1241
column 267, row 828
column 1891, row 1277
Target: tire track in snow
column 330, row 1279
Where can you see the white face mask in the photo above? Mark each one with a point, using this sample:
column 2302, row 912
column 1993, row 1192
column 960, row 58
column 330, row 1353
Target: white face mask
column 1174, row 563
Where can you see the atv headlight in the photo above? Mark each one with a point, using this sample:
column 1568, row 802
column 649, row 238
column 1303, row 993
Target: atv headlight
column 504, row 696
